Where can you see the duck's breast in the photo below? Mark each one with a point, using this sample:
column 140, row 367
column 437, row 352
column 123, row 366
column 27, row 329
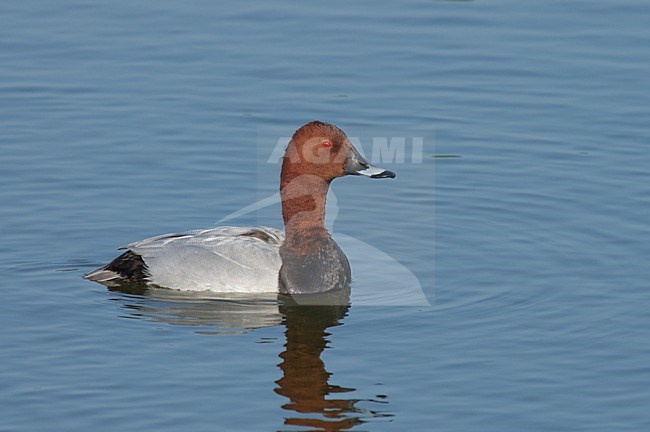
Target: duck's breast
column 325, row 269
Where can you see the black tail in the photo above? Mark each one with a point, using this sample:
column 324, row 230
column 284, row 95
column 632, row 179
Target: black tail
column 127, row 267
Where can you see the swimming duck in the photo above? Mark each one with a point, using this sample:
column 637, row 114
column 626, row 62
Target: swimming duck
column 303, row 260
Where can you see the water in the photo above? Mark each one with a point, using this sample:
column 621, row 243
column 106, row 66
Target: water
column 133, row 119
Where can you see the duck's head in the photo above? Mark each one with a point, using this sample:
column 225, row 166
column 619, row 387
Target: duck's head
column 323, row 150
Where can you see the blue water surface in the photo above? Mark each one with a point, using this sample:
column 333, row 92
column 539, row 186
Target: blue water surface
column 523, row 220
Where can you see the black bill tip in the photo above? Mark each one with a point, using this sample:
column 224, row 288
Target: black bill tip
column 384, row 174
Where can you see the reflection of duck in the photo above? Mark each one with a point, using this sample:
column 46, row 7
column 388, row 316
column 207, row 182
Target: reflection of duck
column 209, row 313
column 260, row 259
column 305, row 379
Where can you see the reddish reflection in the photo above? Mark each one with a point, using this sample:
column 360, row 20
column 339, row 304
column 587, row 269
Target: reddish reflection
column 306, row 381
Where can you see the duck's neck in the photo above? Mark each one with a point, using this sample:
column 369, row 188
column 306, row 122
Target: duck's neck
column 312, row 262
column 303, row 203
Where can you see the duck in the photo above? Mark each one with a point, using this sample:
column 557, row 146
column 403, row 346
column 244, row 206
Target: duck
column 304, row 259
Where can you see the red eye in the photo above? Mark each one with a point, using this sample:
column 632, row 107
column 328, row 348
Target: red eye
column 326, row 144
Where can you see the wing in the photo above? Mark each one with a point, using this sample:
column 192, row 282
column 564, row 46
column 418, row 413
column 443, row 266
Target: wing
column 224, row 259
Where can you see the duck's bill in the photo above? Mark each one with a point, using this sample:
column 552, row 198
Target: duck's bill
column 358, row 165
column 374, row 172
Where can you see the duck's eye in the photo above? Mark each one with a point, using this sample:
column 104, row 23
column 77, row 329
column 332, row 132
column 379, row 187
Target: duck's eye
column 326, row 144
